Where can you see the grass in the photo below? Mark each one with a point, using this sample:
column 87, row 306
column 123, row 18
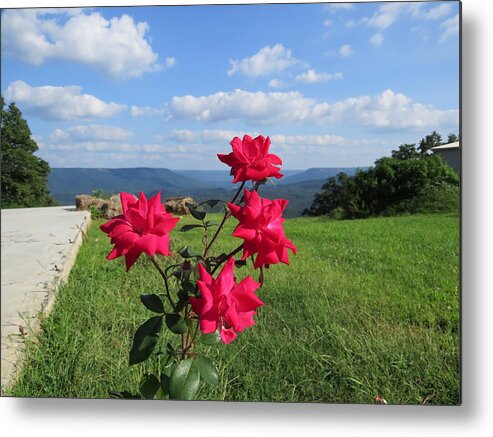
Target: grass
column 367, row 307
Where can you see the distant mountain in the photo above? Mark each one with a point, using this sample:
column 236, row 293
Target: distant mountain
column 297, row 186
column 319, row 173
column 66, row 183
column 221, row 177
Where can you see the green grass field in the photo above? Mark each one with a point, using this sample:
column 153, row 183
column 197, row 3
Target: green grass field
column 367, row 307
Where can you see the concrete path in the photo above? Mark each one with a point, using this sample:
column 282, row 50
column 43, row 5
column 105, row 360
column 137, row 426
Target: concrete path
column 39, row 246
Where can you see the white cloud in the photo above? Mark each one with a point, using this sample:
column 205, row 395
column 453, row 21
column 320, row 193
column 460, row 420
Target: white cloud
column 139, row 111
column 266, row 61
column 350, row 24
column 388, row 13
column 327, row 23
column 276, row 83
column 311, row 76
column 59, row 102
column 117, row 46
column 388, row 110
column 255, row 107
column 376, row 40
column 170, row 62
column 92, row 132
column 345, row 50
column 450, row 28
column 334, row 7
column 437, row 12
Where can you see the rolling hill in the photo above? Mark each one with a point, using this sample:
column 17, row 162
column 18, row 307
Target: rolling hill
column 297, row 186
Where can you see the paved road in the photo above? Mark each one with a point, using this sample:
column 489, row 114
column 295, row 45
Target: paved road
column 39, row 246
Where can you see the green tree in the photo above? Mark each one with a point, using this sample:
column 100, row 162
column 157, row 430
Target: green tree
column 452, row 138
column 407, row 181
column 24, row 176
column 432, row 140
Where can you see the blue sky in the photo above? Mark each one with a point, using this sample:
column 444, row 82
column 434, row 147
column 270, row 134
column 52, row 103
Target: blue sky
column 171, row 86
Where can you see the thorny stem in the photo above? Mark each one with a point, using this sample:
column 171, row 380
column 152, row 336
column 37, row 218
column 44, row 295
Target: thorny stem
column 165, row 278
column 221, row 225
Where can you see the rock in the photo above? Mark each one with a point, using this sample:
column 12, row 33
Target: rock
column 114, row 207
column 83, row 202
column 108, row 208
column 177, row 205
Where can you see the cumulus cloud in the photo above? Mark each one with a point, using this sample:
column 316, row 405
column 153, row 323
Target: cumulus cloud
column 388, row 110
column 376, row 40
column 91, row 132
column 170, row 62
column 450, row 28
column 345, row 50
column 117, row 46
column 312, row 76
column 59, row 102
column 266, row 61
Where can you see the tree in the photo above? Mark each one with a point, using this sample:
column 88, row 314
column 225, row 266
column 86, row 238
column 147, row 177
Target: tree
column 452, row 138
column 406, row 151
column 432, row 140
column 24, row 176
column 395, row 184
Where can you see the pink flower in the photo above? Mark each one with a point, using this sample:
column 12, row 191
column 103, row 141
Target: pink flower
column 144, row 226
column 261, row 228
column 251, row 160
column 225, row 304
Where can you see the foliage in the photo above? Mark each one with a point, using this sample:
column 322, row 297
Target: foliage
column 24, row 175
column 407, row 181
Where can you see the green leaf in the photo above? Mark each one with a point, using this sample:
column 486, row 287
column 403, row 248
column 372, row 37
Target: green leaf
column 176, row 323
column 184, row 381
column 123, row 395
column 187, row 228
column 207, row 369
column 210, row 223
column 152, row 302
column 240, row 263
column 210, row 339
column 165, row 380
column 196, row 213
column 145, row 339
column 185, row 252
column 188, row 287
column 149, row 386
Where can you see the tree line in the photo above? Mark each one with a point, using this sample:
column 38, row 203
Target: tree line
column 411, row 180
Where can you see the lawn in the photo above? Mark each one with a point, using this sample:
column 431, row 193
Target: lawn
column 367, row 307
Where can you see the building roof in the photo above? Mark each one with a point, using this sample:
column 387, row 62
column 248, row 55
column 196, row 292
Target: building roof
column 455, row 145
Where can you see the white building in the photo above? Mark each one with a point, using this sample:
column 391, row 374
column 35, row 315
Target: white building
column 450, row 154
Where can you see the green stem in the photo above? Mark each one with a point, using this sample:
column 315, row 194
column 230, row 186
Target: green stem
column 165, row 278
column 225, row 258
column 221, row 225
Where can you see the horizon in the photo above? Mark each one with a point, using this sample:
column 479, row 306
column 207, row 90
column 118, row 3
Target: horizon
column 333, row 85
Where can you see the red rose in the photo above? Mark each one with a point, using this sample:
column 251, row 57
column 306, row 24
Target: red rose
column 144, row 226
column 225, row 304
column 251, row 160
column 261, row 228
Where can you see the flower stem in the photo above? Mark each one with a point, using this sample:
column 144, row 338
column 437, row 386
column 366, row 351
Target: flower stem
column 225, row 258
column 165, row 278
column 221, row 225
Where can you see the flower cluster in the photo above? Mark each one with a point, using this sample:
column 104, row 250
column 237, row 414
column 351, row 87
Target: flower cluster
column 221, row 304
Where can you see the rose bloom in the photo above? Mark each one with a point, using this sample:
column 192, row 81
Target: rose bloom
column 251, row 160
column 261, row 228
column 144, row 226
column 224, row 303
